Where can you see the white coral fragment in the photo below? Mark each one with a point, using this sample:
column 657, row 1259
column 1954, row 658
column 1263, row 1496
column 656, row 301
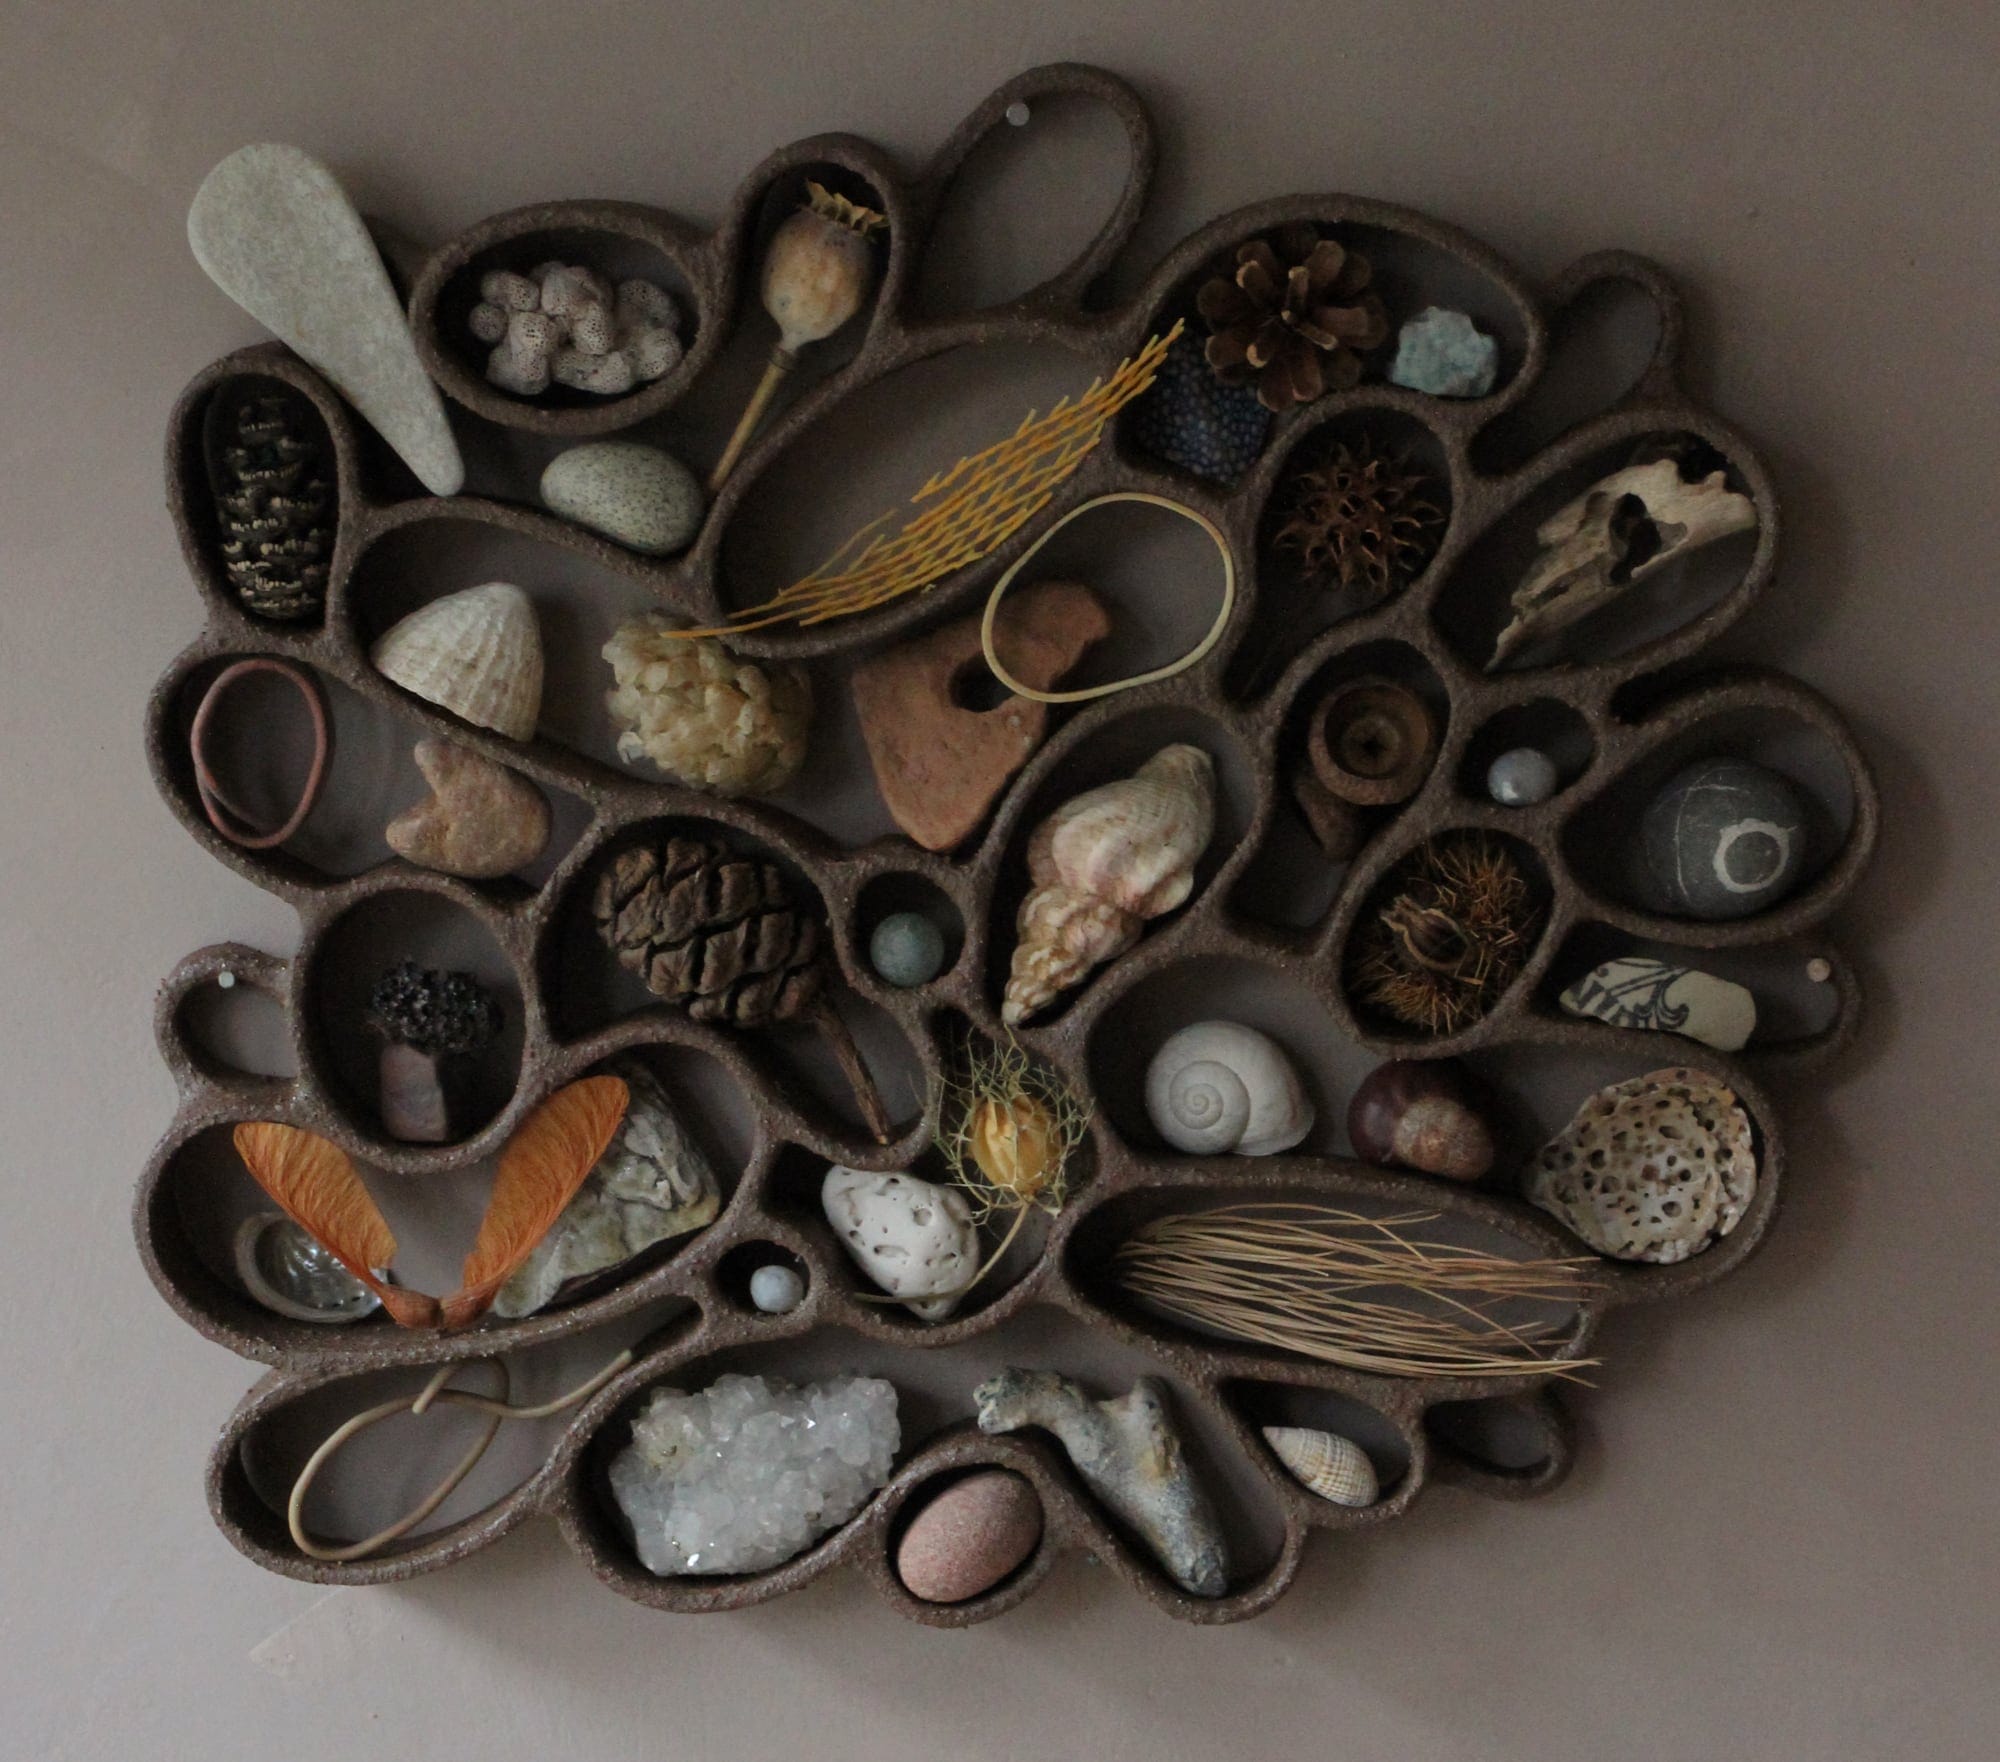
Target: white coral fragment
column 564, row 324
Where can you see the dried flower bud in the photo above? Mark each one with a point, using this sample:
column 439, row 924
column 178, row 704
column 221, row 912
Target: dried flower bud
column 1015, row 1143
column 819, row 268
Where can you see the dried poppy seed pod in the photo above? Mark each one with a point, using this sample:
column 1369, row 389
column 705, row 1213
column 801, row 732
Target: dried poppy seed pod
column 818, row 270
column 1420, row 1113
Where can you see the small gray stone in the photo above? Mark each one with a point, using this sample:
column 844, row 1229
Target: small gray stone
column 638, row 496
column 1130, row 1456
column 277, row 234
column 1522, row 777
column 906, row 949
column 777, row 1289
column 1443, row 353
column 1725, row 838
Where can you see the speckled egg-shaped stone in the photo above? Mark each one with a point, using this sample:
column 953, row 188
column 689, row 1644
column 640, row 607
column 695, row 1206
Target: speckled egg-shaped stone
column 906, row 949
column 1725, row 838
column 1521, row 777
column 970, row 1537
column 639, row 496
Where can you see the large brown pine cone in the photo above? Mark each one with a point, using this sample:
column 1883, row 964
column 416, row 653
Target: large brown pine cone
column 711, row 931
column 274, row 501
column 1290, row 316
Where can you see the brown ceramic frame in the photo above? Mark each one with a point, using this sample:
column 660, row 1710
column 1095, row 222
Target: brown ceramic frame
column 1126, row 1179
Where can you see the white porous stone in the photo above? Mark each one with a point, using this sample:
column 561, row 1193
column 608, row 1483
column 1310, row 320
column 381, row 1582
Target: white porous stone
column 651, row 1184
column 636, row 495
column 742, row 1475
column 914, row 1238
column 1639, row 992
column 276, row 233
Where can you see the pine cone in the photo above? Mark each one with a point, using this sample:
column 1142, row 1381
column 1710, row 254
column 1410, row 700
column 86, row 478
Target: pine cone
column 275, row 505
column 713, row 932
column 1291, row 317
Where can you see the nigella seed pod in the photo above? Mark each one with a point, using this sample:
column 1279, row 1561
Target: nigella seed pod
column 1421, row 1114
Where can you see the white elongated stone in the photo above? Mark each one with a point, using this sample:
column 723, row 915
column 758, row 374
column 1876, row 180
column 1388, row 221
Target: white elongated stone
column 277, row 234
column 914, row 1238
column 1639, row 992
column 651, row 1184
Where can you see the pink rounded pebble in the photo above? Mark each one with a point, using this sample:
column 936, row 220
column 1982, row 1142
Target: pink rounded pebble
column 970, row 1537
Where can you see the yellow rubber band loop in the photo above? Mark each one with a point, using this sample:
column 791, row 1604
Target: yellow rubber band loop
column 1086, row 693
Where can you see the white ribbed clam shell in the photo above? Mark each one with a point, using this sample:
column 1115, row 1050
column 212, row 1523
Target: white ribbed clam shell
column 1219, row 1086
column 1325, row 1463
column 477, row 653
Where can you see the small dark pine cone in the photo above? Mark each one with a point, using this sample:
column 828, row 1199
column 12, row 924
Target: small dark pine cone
column 433, row 1011
column 710, row 931
column 274, row 500
column 1292, row 317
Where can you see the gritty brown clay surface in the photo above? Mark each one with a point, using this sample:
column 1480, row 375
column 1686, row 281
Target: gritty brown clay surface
column 1261, row 729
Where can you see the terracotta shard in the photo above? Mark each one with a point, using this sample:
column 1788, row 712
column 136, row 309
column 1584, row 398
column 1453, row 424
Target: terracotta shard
column 940, row 765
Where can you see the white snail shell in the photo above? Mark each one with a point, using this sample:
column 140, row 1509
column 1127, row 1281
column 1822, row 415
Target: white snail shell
column 1219, row 1086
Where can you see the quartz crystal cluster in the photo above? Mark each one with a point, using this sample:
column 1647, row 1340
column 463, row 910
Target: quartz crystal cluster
column 743, row 1474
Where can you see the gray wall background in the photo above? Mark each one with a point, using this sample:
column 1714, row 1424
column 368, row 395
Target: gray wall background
column 1780, row 1541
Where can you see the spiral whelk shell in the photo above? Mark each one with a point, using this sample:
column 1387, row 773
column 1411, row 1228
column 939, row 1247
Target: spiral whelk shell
column 1101, row 865
column 476, row 653
column 1335, row 1468
column 1219, row 1086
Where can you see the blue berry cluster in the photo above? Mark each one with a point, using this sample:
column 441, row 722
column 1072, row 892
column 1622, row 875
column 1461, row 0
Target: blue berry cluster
column 1189, row 418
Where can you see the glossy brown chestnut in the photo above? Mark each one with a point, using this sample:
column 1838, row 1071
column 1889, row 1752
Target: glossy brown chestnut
column 1421, row 1113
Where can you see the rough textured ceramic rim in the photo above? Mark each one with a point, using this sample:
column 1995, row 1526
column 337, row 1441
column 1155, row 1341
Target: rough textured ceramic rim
column 693, row 1315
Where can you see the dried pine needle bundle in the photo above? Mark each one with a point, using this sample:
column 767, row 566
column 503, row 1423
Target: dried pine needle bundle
column 975, row 507
column 1356, row 1291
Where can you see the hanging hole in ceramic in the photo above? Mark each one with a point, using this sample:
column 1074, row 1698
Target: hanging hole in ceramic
column 907, row 931
column 1632, row 548
column 234, row 1026
column 1613, row 329
column 1503, row 1445
column 786, row 518
column 619, row 241
column 1112, row 752
column 1359, row 506
column 1526, row 754
column 996, row 238
column 1387, row 1447
column 1260, row 1107
column 1626, row 846
column 390, row 1088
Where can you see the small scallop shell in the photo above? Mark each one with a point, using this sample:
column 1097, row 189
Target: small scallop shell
column 1325, row 1463
column 292, row 1275
column 477, row 653
column 1219, row 1086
